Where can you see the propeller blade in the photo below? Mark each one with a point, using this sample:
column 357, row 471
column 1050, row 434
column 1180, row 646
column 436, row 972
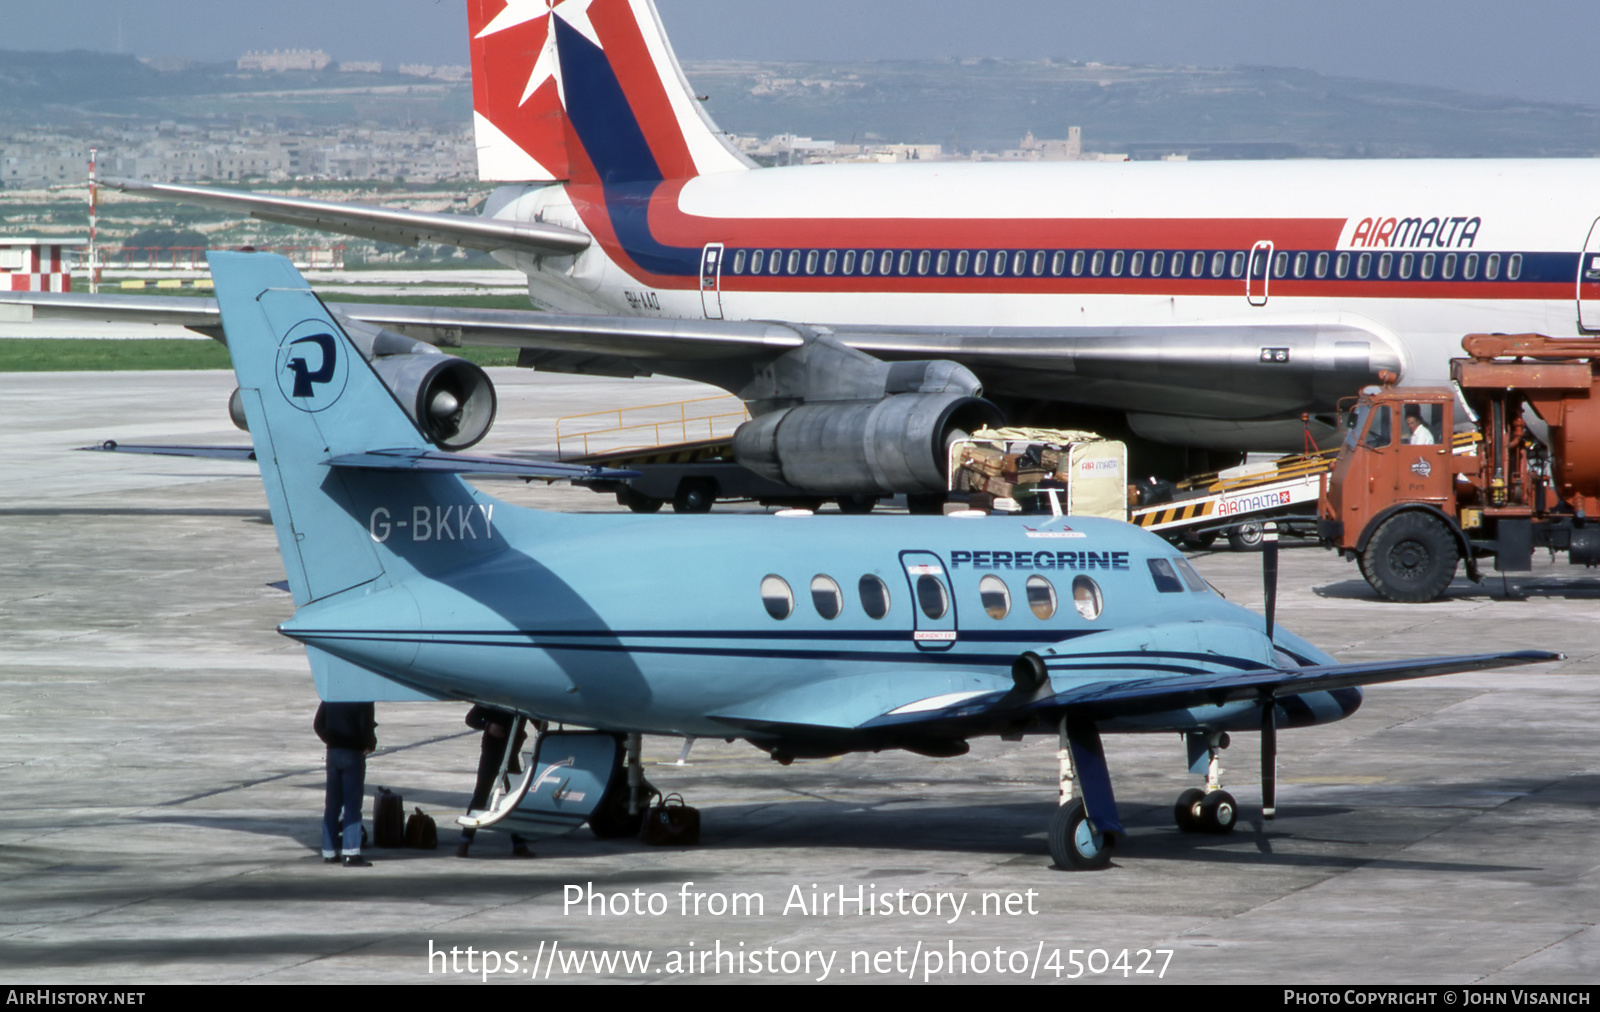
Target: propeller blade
column 1269, row 571
column 1269, row 757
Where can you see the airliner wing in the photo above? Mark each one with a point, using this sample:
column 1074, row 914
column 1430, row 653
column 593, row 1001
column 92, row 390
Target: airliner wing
column 385, row 224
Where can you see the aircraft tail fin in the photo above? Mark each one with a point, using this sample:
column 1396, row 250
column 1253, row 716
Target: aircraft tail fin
column 585, row 92
column 311, row 400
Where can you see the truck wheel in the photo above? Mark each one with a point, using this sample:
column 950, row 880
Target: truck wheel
column 695, row 495
column 1246, row 537
column 1412, row 558
column 637, row 501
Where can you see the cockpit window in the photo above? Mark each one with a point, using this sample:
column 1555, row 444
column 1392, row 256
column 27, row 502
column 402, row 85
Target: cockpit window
column 1193, row 579
column 1166, row 577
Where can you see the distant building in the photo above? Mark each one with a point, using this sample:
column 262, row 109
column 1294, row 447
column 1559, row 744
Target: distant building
column 417, row 69
column 361, row 67
column 278, row 61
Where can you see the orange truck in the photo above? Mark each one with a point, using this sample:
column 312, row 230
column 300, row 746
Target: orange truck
column 1406, row 503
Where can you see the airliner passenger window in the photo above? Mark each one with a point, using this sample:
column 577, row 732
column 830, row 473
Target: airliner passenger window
column 1364, row 265
column 830, row 262
column 1038, row 264
column 1116, row 264
column 931, row 596
column 1058, row 263
column 1077, row 263
column 1341, row 266
column 1321, row 270
column 1136, row 266
column 756, row 258
column 943, row 267
column 1300, row 260
column 1514, row 267
column 1019, row 263
column 775, row 262
column 1426, row 269
column 777, row 597
column 1086, row 597
column 874, row 596
column 886, row 262
column 811, row 261
column 826, row 596
column 1447, row 266
column 1000, row 261
column 1280, row 265
column 924, row 261
column 1236, row 269
column 1166, row 579
column 1469, row 267
column 1042, row 596
column 1219, row 264
column 996, row 597
column 794, row 261
column 1098, row 264
column 867, row 260
column 1385, row 264
column 1158, row 260
column 1177, row 264
column 1197, row 265
column 1491, row 268
column 980, row 263
column 738, row 262
column 1405, row 265
column 961, row 263
column 905, row 263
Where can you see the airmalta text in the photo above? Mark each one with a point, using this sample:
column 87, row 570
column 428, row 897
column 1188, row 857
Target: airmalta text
column 1459, row 232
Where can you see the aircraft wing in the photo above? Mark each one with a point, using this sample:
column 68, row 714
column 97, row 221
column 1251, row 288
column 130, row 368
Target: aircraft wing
column 385, row 224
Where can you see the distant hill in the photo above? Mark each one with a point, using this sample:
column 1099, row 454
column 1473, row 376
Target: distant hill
column 1243, row 112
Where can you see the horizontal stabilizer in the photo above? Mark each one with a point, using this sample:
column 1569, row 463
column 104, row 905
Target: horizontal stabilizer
column 162, row 450
column 439, row 462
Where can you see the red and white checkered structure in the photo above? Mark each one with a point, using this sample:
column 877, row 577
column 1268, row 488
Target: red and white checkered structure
column 36, row 265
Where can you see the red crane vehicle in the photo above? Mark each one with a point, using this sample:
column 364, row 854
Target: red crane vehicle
column 1408, row 505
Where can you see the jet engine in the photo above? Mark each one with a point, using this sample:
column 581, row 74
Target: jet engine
column 837, row 421
column 452, row 401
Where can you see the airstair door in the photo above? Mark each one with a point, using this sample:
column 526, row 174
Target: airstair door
column 933, row 606
column 1589, row 282
column 711, row 281
column 1258, row 272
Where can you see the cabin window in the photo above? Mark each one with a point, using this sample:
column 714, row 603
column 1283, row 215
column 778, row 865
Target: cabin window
column 1177, row 264
column 1280, row 265
column 1019, row 263
column 874, row 596
column 1469, row 267
column 1116, row 264
column 1426, row 268
column 1158, row 260
column 1197, row 265
column 961, row 263
column 924, row 261
column 1237, row 267
column 738, row 262
column 775, row 262
column 1000, row 261
column 1038, row 264
column 1219, row 264
column 794, row 261
column 849, row 261
column 1321, row 269
column 1258, row 263
column 826, row 596
column 1195, row 581
column 1385, row 264
column 996, row 597
column 905, row 263
column 980, row 263
column 1300, row 261
column 868, row 258
column 943, row 266
column 1447, row 266
column 1086, row 597
column 886, row 263
column 931, row 596
column 1041, row 597
column 756, row 258
column 1364, row 265
column 1077, row 263
column 777, row 597
column 1405, row 264
column 811, row 261
column 1341, row 266
column 1136, row 267
column 1514, row 267
column 1491, row 267
column 1058, row 263
column 1098, row 264
column 830, row 262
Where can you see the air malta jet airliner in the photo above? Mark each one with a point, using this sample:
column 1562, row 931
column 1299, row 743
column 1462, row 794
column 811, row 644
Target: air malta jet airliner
column 866, row 313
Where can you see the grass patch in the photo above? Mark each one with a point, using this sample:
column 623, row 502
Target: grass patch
column 102, row 355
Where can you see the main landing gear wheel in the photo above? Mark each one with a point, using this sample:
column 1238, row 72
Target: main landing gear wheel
column 1218, row 812
column 1412, row 558
column 1186, row 813
column 1246, row 537
column 695, row 495
column 1074, row 842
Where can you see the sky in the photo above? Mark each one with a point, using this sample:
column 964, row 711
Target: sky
column 1534, row 49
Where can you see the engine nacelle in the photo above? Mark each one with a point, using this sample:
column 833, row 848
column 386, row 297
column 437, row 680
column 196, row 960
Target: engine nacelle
column 896, row 444
column 451, row 400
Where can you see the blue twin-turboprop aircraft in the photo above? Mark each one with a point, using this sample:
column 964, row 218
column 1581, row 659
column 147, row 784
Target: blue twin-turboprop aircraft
column 807, row 637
